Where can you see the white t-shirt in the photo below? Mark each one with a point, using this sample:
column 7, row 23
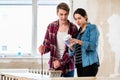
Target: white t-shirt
column 61, row 43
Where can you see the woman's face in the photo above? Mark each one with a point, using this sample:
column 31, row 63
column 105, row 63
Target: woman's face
column 80, row 20
column 63, row 16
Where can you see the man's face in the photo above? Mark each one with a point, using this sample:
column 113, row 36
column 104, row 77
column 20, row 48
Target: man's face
column 63, row 15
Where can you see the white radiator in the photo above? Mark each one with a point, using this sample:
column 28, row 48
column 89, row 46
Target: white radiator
column 28, row 74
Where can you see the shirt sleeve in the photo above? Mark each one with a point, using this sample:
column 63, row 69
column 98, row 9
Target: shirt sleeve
column 92, row 42
column 71, row 53
column 46, row 42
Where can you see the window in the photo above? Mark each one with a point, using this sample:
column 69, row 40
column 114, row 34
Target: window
column 23, row 24
column 15, row 26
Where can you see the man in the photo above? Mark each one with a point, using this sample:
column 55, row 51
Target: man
column 54, row 42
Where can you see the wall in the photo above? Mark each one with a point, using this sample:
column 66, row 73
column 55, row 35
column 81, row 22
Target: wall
column 106, row 15
column 23, row 63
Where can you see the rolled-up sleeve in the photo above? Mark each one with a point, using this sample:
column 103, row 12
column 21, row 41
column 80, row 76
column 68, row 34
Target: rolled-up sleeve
column 71, row 53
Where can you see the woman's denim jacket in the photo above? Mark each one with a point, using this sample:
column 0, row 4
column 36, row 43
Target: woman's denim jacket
column 90, row 46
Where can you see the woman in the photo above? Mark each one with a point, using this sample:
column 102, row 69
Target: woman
column 54, row 42
column 86, row 45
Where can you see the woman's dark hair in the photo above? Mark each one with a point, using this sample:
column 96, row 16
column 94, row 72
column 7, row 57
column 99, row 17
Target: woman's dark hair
column 80, row 11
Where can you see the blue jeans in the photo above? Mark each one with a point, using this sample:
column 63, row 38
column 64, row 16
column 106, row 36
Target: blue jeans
column 69, row 74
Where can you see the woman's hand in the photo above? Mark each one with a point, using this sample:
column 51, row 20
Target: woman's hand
column 76, row 41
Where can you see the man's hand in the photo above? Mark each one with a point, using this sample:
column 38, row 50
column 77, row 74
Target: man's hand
column 42, row 49
column 56, row 64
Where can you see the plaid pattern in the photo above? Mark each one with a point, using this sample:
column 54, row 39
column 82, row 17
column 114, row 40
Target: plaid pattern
column 50, row 42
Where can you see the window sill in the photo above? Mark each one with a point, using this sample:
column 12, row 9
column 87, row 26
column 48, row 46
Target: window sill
column 6, row 56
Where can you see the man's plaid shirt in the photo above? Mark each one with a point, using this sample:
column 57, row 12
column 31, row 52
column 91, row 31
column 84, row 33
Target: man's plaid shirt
column 50, row 43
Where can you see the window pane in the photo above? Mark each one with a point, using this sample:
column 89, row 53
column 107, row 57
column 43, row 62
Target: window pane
column 15, row 28
column 46, row 14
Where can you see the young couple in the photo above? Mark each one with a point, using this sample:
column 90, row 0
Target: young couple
column 83, row 54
